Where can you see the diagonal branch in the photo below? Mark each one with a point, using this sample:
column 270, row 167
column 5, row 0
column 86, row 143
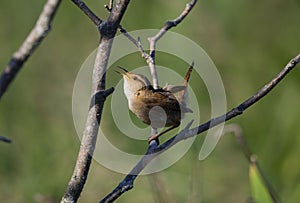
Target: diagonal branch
column 87, row 11
column 33, row 40
column 235, row 111
column 186, row 133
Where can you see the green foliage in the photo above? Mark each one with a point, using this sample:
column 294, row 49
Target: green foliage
column 259, row 188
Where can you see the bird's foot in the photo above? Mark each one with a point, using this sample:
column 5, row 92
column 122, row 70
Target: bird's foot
column 154, row 137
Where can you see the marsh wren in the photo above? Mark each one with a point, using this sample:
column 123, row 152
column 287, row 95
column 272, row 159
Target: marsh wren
column 162, row 107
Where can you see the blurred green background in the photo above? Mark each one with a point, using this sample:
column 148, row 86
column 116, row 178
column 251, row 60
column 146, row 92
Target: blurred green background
column 249, row 41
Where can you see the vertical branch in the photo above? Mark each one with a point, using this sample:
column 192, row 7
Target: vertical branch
column 107, row 31
column 153, row 40
column 128, row 181
column 109, row 6
column 33, row 40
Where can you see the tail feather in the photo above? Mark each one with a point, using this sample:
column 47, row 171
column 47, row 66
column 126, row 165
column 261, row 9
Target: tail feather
column 182, row 96
column 188, row 74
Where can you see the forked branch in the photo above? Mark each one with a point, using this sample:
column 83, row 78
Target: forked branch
column 150, row 58
column 107, row 30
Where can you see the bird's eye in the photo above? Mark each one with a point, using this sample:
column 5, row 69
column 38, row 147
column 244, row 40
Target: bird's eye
column 135, row 78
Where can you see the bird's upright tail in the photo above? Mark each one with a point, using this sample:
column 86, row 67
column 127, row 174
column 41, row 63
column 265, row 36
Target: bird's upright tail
column 182, row 95
column 188, row 74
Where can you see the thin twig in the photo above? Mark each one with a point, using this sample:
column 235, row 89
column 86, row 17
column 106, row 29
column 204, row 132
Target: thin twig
column 109, row 6
column 5, row 139
column 153, row 40
column 150, row 58
column 186, row 133
column 137, row 43
column 238, row 133
column 88, row 12
column 33, row 40
column 107, row 30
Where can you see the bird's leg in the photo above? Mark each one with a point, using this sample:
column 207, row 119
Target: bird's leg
column 156, row 136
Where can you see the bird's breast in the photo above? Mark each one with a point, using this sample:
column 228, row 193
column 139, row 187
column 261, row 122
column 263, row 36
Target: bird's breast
column 158, row 109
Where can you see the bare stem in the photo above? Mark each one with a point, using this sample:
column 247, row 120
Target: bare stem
column 110, row 5
column 238, row 133
column 153, row 40
column 186, row 133
column 33, row 40
column 150, row 58
column 88, row 12
column 107, row 30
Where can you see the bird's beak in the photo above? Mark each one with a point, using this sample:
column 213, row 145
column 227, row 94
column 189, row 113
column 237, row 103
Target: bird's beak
column 124, row 71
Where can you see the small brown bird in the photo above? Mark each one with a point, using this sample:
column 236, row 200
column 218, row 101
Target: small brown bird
column 163, row 107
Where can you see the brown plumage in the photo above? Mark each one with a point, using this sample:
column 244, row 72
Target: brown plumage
column 146, row 98
column 164, row 107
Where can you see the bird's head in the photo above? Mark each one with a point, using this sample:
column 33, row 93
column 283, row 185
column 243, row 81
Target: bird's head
column 132, row 82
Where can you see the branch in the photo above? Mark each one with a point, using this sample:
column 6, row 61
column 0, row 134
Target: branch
column 235, row 111
column 153, row 40
column 150, row 58
column 33, row 40
column 238, row 133
column 137, row 43
column 87, row 11
column 107, row 30
column 186, row 133
column 109, row 6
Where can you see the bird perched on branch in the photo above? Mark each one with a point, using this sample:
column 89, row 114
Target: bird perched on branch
column 162, row 107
